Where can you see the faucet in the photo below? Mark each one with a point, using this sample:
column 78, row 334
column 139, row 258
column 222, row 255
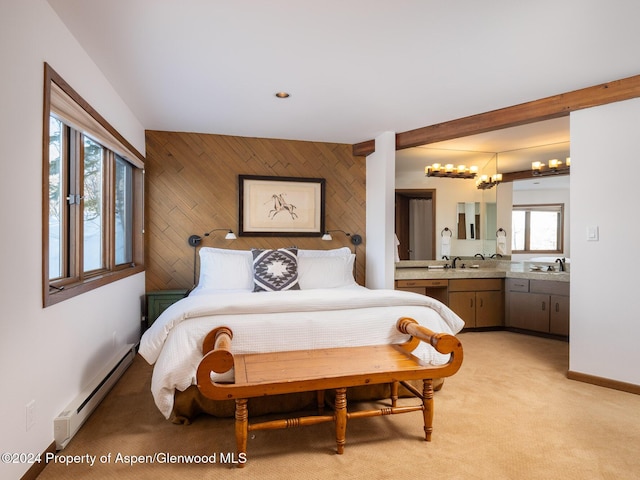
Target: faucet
column 479, row 255
column 453, row 264
column 444, row 257
column 561, row 262
column 496, row 255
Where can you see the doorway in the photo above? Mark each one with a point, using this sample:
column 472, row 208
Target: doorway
column 415, row 224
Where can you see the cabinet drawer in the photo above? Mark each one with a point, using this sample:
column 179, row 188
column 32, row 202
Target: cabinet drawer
column 475, row 285
column 422, row 283
column 549, row 286
column 517, row 285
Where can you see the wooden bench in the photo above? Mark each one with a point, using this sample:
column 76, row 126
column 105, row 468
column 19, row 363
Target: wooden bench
column 317, row 370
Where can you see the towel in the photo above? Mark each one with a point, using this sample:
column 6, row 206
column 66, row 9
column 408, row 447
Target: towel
column 445, row 246
column 397, row 246
column 501, row 245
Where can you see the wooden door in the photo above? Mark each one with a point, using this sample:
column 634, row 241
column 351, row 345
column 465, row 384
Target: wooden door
column 529, row 311
column 464, row 304
column 559, row 315
column 489, row 309
column 402, row 218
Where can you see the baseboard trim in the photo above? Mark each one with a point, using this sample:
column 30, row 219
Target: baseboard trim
column 604, row 382
column 37, row 468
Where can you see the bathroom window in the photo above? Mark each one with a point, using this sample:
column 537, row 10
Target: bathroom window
column 537, row 228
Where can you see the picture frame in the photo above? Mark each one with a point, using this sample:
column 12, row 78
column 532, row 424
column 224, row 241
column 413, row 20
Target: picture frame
column 281, row 206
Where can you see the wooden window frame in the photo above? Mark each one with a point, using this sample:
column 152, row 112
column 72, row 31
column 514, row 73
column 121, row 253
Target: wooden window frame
column 555, row 207
column 74, row 281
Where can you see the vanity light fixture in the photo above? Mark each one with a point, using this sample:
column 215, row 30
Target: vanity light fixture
column 555, row 167
column 485, row 181
column 450, row 171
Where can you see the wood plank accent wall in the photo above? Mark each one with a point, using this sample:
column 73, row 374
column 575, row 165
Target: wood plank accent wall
column 191, row 187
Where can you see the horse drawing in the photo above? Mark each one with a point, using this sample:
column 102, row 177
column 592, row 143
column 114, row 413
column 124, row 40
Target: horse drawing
column 281, row 205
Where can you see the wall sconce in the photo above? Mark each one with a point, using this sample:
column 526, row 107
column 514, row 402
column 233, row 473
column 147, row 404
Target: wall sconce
column 485, row 181
column 355, row 238
column 450, row 171
column 195, row 240
column 555, row 167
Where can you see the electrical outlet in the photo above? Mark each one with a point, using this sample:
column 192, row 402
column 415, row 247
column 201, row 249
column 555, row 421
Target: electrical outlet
column 30, row 414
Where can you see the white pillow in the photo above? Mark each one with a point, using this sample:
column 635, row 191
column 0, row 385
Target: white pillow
column 329, row 271
column 335, row 252
column 222, row 269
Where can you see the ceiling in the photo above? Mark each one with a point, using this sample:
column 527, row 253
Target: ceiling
column 353, row 68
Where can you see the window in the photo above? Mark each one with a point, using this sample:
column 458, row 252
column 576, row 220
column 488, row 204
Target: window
column 537, row 228
column 93, row 189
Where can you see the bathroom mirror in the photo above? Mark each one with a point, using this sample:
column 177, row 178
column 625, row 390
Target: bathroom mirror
column 468, row 221
column 500, row 151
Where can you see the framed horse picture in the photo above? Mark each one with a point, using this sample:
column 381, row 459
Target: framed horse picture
column 281, row 206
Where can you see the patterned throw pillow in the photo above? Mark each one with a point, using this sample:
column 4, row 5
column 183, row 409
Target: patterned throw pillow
column 275, row 270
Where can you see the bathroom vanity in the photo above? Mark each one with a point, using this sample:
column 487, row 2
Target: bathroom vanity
column 495, row 294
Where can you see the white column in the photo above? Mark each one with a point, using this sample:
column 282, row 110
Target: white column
column 381, row 171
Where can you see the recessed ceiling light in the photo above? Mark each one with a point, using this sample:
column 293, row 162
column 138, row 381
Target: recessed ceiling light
column 282, row 95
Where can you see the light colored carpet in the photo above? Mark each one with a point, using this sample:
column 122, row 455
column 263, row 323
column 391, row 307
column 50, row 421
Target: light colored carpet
column 509, row 413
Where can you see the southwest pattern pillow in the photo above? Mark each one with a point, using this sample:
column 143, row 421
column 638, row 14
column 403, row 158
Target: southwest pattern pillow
column 275, row 270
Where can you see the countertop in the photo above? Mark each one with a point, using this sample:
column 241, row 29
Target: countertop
column 415, row 270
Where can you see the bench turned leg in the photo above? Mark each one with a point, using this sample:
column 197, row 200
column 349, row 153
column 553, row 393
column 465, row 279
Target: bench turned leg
column 394, row 393
column 427, row 407
column 320, row 401
column 341, row 418
column 242, row 427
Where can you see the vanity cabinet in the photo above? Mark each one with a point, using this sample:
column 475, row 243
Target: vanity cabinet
column 538, row 305
column 479, row 302
column 430, row 287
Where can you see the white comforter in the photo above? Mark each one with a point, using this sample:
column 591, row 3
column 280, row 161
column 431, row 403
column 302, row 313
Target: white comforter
column 280, row 321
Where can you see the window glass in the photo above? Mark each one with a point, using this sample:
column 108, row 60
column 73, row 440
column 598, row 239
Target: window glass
column 544, row 230
column 123, row 212
column 56, row 199
column 518, row 226
column 93, row 205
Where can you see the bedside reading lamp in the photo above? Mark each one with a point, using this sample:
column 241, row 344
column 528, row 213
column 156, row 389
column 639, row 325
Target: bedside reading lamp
column 355, row 238
column 195, row 240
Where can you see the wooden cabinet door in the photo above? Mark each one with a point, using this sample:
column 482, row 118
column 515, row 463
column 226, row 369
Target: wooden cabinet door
column 464, row 304
column 559, row 315
column 489, row 309
column 529, row 311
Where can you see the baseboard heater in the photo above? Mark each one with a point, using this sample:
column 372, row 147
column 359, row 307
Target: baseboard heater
column 66, row 425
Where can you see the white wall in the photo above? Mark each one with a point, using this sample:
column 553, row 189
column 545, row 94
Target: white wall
column 47, row 355
column 381, row 165
column 605, row 331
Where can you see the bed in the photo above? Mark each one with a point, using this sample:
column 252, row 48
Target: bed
column 277, row 300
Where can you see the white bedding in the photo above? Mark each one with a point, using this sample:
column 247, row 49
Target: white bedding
column 279, row 321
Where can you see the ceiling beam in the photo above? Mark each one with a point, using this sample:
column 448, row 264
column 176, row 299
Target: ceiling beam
column 538, row 110
column 526, row 175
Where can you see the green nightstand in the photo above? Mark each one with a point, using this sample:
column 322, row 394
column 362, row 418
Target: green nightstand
column 159, row 301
